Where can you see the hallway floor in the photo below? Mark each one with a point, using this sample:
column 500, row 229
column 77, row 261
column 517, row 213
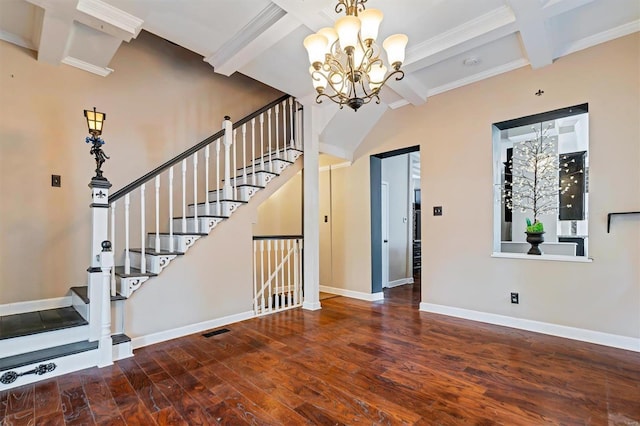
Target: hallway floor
column 352, row 362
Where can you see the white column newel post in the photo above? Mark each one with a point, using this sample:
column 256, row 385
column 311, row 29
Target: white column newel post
column 99, row 224
column 105, row 345
column 227, row 190
column 311, row 252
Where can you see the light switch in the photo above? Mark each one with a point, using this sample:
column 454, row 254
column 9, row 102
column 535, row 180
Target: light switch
column 437, row 210
column 56, row 181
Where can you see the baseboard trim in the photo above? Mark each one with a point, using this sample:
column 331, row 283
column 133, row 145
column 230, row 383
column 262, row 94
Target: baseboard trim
column 162, row 336
column 370, row 297
column 401, row 281
column 590, row 336
column 311, row 306
column 34, row 305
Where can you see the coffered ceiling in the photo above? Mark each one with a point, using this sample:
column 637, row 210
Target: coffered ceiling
column 451, row 42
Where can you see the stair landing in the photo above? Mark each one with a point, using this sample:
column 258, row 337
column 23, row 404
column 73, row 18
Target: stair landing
column 29, row 323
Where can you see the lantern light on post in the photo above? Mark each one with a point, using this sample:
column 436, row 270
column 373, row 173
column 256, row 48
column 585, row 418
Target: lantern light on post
column 95, row 122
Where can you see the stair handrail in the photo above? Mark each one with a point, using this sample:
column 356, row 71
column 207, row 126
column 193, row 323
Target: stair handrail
column 186, row 154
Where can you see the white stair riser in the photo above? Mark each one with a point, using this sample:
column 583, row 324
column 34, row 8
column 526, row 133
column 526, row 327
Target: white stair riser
column 130, row 284
column 276, row 165
column 79, row 305
column 262, row 179
column 64, row 365
column 226, row 208
column 293, row 155
column 205, row 224
column 181, row 243
column 154, row 263
column 35, row 342
column 243, row 193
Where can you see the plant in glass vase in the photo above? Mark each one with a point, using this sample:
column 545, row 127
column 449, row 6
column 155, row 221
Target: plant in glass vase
column 534, row 186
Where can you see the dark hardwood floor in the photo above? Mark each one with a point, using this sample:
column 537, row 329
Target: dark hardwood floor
column 352, row 362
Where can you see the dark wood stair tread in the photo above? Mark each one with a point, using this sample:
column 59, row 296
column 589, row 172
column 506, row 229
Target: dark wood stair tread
column 134, row 272
column 28, row 323
column 153, row 252
column 83, row 293
column 16, row 361
column 203, row 216
column 120, row 338
column 249, row 185
column 181, row 234
column 221, row 200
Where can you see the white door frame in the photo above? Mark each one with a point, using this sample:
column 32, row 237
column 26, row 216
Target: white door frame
column 384, row 217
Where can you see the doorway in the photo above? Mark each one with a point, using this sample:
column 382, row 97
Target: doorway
column 394, row 227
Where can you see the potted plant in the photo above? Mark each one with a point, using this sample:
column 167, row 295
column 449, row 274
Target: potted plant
column 535, row 236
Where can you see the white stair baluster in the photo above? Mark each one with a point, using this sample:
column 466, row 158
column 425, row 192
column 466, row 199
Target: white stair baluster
column 253, row 150
column 127, row 256
column 300, row 276
column 143, row 260
column 113, row 246
column 262, row 283
column 234, row 195
column 157, row 242
column 227, row 190
column 171, row 208
column 255, row 277
column 184, row 195
column 291, row 115
column 207, row 208
column 289, row 263
column 299, row 122
column 261, row 146
column 277, row 108
column 269, row 296
column 284, row 128
column 218, row 189
column 269, row 127
column 276, row 296
column 244, row 154
column 195, row 192
column 282, row 282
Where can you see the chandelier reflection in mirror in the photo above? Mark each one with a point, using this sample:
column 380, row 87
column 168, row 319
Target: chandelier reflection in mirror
column 345, row 60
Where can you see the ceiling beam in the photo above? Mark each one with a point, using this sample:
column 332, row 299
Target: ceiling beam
column 307, row 12
column 556, row 7
column 54, row 36
column 534, row 34
column 489, row 27
column 409, row 88
column 272, row 25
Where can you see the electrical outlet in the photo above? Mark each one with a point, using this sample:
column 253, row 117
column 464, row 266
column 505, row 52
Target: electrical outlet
column 515, row 298
column 56, row 181
column 437, row 210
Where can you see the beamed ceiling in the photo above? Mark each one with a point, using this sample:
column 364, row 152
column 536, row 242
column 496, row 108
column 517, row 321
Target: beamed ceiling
column 451, row 42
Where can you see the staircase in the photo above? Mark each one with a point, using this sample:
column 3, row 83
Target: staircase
column 190, row 194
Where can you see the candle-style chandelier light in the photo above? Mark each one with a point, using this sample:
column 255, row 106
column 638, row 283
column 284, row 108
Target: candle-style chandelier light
column 345, row 60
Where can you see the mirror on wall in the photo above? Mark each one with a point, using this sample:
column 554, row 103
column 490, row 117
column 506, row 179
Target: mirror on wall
column 541, row 183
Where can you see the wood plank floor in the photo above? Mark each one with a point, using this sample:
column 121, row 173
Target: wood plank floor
column 351, row 363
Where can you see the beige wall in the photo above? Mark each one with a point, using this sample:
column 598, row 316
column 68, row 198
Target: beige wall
column 281, row 213
column 160, row 100
column 454, row 132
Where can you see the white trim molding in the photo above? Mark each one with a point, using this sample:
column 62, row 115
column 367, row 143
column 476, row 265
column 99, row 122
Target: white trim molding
column 551, row 257
column 601, row 37
column 590, row 336
column 86, row 66
column 370, row 297
column 34, row 305
column 162, row 336
column 111, row 15
column 17, row 40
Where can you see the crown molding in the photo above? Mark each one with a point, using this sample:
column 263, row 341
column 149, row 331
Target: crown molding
column 399, row 104
column 86, row 66
column 253, row 30
column 604, row 36
column 509, row 66
column 111, row 15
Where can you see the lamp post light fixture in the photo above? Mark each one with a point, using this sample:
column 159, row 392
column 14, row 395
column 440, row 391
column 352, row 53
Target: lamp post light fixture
column 346, row 59
column 95, row 122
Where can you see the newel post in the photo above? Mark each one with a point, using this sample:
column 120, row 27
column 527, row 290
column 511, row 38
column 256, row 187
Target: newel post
column 99, row 226
column 227, row 190
column 105, row 345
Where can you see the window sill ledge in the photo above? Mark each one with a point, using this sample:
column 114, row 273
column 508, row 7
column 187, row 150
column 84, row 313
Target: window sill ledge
column 551, row 257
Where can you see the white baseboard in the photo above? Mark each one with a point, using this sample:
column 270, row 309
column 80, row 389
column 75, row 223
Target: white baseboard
column 371, row 297
column 162, row 336
column 311, row 306
column 34, row 305
column 401, row 281
column 591, row 336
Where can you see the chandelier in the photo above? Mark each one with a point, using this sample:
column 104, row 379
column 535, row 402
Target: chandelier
column 345, row 60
